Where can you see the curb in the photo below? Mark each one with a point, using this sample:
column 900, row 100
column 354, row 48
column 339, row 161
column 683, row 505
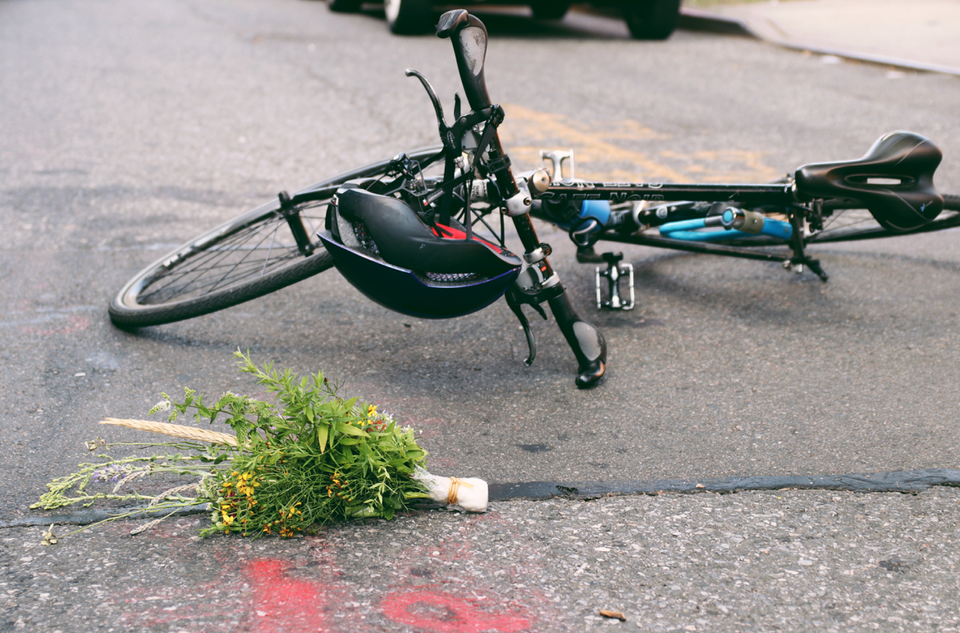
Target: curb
column 904, row 481
column 907, row 481
column 699, row 20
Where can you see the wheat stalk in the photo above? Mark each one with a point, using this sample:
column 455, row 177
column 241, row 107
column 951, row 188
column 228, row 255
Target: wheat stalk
column 173, row 491
column 160, row 497
column 176, row 430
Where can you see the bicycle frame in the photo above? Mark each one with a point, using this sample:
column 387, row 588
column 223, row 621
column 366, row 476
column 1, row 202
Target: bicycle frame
column 892, row 185
column 772, row 194
column 626, row 192
column 904, row 159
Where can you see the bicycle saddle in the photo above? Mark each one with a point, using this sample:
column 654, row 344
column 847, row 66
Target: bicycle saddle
column 894, row 180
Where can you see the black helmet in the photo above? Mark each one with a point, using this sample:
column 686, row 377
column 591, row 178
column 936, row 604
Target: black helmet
column 383, row 248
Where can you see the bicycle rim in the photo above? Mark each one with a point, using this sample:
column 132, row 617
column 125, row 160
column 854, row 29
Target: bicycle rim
column 846, row 225
column 248, row 257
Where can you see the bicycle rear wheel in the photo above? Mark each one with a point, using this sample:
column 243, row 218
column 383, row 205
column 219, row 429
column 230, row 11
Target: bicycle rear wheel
column 851, row 224
column 262, row 251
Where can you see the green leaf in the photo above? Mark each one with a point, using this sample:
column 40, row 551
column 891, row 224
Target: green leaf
column 348, row 429
column 322, row 433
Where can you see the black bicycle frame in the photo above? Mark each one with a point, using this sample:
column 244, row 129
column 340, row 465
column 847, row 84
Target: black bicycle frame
column 774, row 194
column 768, row 194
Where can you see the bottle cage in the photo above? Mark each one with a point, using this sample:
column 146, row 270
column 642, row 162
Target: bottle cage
column 894, row 180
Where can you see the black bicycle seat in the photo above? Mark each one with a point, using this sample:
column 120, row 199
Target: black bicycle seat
column 894, row 180
column 405, row 240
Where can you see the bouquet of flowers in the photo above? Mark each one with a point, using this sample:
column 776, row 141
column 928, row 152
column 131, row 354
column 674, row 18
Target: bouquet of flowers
column 307, row 459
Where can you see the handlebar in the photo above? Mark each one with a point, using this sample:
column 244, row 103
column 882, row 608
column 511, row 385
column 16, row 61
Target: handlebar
column 469, row 37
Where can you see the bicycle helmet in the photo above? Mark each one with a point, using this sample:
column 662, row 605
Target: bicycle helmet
column 383, row 248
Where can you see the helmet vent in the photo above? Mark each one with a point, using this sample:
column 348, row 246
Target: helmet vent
column 364, row 237
column 450, row 276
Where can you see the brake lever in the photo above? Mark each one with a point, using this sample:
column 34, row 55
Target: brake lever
column 437, row 107
column 515, row 300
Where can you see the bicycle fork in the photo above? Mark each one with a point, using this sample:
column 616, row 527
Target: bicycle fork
column 539, row 283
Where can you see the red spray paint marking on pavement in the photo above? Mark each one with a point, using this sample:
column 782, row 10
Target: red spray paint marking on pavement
column 441, row 612
column 281, row 603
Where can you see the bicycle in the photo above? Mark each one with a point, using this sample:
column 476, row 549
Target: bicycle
column 376, row 222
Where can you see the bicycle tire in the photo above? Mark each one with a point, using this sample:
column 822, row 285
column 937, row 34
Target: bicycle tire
column 234, row 262
column 859, row 224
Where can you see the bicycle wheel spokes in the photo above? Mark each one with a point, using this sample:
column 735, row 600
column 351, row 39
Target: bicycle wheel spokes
column 858, row 224
column 255, row 250
column 248, row 257
column 846, row 220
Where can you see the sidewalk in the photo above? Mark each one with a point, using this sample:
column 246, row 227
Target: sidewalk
column 920, row 35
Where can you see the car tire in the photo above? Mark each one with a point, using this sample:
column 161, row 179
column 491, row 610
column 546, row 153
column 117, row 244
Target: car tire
column 549, row 9
column 344, row 6
column 408, row 17
column 651, row 19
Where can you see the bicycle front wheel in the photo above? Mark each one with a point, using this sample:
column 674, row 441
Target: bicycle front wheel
column 262, row 251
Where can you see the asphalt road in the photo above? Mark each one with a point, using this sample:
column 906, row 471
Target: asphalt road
column 130, row 127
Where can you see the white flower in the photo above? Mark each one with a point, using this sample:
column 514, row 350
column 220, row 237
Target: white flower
column 163, row 405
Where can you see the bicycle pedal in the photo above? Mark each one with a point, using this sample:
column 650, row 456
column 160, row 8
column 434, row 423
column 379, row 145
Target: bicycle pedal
column 561, row 164
column 614, row 273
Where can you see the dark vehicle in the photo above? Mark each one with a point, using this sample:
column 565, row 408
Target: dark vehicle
column 646, row 19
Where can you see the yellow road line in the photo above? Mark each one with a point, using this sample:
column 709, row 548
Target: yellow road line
column 599, row 146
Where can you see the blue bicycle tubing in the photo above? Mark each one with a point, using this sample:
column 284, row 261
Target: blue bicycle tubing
column 687, row 230
column 599, row 209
